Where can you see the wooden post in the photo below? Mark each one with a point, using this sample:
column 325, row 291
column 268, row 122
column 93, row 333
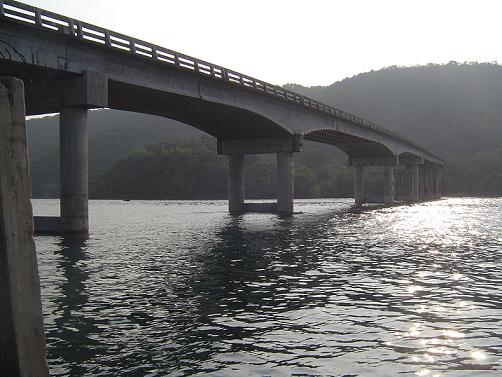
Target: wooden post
column 22, row 339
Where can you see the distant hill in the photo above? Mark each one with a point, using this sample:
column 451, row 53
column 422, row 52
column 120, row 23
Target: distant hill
column 113, row 135
column 454, row 110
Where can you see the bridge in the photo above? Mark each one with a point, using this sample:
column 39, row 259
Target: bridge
column 70, row 66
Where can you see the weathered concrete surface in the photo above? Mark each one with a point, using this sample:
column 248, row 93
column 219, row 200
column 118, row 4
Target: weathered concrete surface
column 236, row 189
column 22, row 339
column 389, row 185
column 285, row 183
column 73, row 149
column 359, row 185
column 415, row 190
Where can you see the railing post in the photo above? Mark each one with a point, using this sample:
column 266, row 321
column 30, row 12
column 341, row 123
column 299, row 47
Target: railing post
column 80, row 33
column 38, row 18
column 71, row 27
column 108, row 41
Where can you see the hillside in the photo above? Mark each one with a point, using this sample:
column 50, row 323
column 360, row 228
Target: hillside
column 453, row 110
column 113, row 135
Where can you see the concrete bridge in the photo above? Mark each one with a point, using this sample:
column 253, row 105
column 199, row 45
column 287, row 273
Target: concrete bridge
column 70, row 66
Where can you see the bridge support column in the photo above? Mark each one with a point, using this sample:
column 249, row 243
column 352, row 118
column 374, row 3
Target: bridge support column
column 236, row 183
column 414, row 194
column 437, row 183
column 285, row 184
column 389, row 188
column 73, row 149
column 430, row 183
column 440, row 183
column 359, row 185
column 22, row 339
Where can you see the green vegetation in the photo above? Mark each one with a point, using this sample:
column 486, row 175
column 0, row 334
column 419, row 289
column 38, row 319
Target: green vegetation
column 453, row 110
column 193, row 170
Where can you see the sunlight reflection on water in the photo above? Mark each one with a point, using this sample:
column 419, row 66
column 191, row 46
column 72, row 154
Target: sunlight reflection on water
column 176, row 288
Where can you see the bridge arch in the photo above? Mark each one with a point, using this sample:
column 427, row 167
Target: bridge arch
column 220, row 120
column 353, row 146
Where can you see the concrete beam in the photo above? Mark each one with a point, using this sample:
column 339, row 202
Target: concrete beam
column 22, row 339
column 285, row 184
column 89, row 90
column 383, row 161
column 73, row 150
column 236, row 183
column 262, row 145
column 411, row 160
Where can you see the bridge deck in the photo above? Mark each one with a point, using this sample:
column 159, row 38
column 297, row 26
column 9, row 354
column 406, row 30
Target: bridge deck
column 47, row 21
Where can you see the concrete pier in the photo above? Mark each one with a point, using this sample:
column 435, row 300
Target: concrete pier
column 414, row 181
column 285, row 185
column 438, row 182
column 236, row 183
column 22, row 339
column 389, row 188
column 359, row 185
column 73, row 152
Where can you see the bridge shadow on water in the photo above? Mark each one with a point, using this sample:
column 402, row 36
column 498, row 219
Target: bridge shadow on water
column 70, row 338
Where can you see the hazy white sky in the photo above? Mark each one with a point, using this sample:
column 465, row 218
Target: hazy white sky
column 310, row 42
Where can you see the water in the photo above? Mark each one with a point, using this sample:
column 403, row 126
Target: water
column 183, row 288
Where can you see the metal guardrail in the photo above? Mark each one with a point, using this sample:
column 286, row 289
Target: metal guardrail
column 49, row 21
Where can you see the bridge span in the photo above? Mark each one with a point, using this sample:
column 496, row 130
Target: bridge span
column 70, row 66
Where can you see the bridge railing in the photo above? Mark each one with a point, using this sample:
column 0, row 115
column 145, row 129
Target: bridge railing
column 46, row 20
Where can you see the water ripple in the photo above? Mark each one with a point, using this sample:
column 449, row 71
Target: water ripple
column 183, row 288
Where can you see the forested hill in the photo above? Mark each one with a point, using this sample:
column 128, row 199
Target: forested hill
column 454, row 110
column 113, row 135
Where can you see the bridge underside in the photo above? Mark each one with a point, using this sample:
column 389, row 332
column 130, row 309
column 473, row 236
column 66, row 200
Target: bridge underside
column 70, row 76
column 219, row 120
column 353, row 146
column 239, row 132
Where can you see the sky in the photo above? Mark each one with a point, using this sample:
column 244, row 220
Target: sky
column 308, row 42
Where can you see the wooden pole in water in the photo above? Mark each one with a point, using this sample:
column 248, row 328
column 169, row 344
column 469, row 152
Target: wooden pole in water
column 22, row 339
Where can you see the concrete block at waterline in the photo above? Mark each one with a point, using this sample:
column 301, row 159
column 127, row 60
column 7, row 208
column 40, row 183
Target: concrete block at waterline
column 260, row 207
column 22, row 339
column 47, row 225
